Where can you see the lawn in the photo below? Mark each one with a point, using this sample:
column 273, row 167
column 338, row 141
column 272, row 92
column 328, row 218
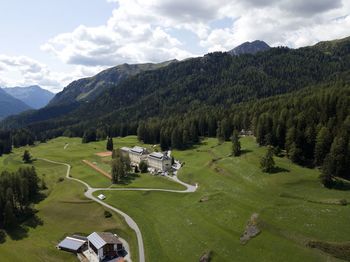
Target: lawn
column 292, row 206
column 65, row 210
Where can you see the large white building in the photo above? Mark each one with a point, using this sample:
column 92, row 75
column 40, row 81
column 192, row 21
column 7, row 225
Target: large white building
column 159, row 161
column 136, row 154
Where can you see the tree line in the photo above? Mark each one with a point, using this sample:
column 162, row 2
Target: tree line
column 18, row 191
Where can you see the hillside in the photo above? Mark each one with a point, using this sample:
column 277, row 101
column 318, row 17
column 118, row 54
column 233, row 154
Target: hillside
column 34, row 96
column 10, row 105
column 87, row 89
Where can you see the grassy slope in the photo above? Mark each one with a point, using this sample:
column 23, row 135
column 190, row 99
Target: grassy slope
column 184, row 228
column 65, row 210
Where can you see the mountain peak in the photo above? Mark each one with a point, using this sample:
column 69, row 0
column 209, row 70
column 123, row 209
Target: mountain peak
column 250, row 48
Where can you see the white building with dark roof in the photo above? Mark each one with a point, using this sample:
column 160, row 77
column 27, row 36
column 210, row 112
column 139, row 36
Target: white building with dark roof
column 159, row 161
column 137, row 154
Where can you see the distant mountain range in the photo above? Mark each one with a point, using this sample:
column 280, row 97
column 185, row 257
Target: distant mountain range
column 10, row 105
column 34, row 96
column 250, row 48
column 127, row 94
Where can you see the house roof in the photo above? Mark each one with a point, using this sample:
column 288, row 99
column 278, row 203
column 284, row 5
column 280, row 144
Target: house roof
column 100, row 239
column 137, row 149
column 158, row 155
column 124, row 148
column 71, row 243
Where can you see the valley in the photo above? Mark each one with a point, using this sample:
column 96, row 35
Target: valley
column 293, row 207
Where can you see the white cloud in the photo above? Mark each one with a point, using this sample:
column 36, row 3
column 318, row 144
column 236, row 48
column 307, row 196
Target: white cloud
column 143, row 31
column 24, row 71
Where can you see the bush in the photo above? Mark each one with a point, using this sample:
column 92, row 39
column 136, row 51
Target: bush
column 61, row 179
column 343, row 202
column 143, row 167
column 107, row 214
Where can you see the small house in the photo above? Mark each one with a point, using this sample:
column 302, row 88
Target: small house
column 104, row 245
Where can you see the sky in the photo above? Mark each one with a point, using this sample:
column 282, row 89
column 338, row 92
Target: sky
column 52, row 43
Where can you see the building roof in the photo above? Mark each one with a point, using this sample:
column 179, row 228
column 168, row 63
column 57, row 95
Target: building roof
column 71, row 243
column 158, row 155
column 124, row 148
column 138, row 150
column 100, row 239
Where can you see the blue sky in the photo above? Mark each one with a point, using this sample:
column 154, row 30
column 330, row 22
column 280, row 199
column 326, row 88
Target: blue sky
column 52, row 42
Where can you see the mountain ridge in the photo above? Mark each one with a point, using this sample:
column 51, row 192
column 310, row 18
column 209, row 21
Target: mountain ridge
column 87, row 89
column 10, row 105
column 34, row 96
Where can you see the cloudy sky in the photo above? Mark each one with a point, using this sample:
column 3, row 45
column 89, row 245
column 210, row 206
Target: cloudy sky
column 51, row 43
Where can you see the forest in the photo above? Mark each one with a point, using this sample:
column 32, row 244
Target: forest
column 297, row 100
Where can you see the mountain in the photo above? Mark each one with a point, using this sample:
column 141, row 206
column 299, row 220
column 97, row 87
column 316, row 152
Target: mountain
column 34, row 96
column 10, row 105
column 215, row 81
column 250, row 48
column 87, row 89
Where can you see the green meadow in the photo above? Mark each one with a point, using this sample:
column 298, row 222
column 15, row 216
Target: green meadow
column 292, row 205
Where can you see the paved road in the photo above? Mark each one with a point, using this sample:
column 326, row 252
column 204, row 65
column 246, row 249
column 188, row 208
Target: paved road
column 131, row 223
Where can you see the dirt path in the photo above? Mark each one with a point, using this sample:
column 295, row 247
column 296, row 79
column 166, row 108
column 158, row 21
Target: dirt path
column 131, row 223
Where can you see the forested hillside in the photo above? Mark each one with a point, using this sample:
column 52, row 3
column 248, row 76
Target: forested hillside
column 214, row 94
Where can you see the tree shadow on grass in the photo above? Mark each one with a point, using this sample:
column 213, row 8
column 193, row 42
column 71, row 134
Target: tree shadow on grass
column 17, row 233
column 341, row 185
column 21, row 231
column 129, row 179
column 277, row 170
column 245, row 151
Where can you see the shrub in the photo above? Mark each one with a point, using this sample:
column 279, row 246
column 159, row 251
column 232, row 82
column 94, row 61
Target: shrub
column 107, row 214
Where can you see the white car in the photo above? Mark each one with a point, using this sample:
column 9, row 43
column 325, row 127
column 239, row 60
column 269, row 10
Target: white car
column 102, row 197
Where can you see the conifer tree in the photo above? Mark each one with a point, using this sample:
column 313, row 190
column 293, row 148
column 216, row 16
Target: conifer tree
column 267, row 163
column 109, row 145
column 27, row 158
column 323, row 144
column 236, row 144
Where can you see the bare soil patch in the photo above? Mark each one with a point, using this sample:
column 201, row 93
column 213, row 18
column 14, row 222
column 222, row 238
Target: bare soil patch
column 251, row 230
column 104, row 154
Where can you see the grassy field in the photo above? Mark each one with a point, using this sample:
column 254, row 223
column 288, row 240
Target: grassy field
column 293, row 208
column 66, row 211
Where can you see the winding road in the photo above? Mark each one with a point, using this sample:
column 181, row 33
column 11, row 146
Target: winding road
column 131, row 223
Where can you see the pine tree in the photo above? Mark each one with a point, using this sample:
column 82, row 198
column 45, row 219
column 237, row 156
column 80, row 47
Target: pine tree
column 323, row 144
column 118, row 171
column 176, row 139
column 236, row 144
column 109, row 145
column 335, row 163
column 267, row 163
column 9, row 215
column 142, row 132
column 27, row 158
